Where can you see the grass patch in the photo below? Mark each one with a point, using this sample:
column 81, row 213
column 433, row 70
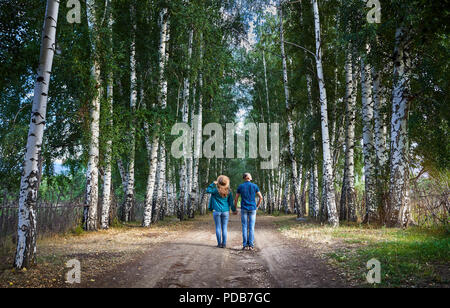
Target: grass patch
column 97, row 251
column 413, row 257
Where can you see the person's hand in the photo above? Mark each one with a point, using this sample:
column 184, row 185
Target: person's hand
column 215, row 182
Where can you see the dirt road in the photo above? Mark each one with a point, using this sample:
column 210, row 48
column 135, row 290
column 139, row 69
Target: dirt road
column 193, row 260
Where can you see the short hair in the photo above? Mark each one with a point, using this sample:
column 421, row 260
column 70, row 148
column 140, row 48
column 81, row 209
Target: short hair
column 245, row 175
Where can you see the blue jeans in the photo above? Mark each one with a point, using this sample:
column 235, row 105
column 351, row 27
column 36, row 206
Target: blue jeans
column 248, row 219
column 221, row 220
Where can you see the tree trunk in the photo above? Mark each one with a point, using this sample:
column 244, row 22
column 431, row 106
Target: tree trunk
column 162, row 103
column 198, row 131
column 290, row 122
column 314, row 203
column 26, row 231
column 184, row 182
column 381, row 170
column 107, row 181
column 91, row 202
column 160, row 193
column 348, row 183
column 129, row 197
column 399, row 212
column 368, row 147
column 333, row 218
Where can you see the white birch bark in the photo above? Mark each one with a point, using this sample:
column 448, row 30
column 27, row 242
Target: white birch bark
column 329, row 197
column 162, row 102
column 368, row 139
column 123, row 175
column 106, row 204
column 129, row 197
column 184, row 184
column 271, row 172
column 348, row 183
column 198, row 139
column 29, row 186
column 287, row 192
column 151, row 183
column 399, row 212
column 290, row 122
column 382, row 158
column 190, row 162
column 171, row 193
column 107, row 179
column 91, row 202
column 314, row 203
column 380, row 120
column 161, row 195
column 303, row 192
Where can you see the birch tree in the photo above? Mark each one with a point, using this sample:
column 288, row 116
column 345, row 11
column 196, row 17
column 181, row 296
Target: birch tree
column 129, row 196
column 381, row 151
column 348, row 183
column 290, row 122
column 329, row 195
column 184, row 184
column 380, row 118
column 26, row 229
column 91, row 201
column 162, row 103
column 162, row 99
column 198, row 132
column 399, row 211
column 368, row 138
column 107, row 180
column 313, row 198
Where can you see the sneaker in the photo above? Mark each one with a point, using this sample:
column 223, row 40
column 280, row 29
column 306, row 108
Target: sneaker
column 251, row 248
column 223, row 246
column 219, row 246
column 244, row 248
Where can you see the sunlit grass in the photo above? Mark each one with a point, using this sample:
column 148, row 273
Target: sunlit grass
column 412, row 257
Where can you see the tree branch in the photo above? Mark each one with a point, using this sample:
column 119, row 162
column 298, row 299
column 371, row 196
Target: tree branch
column 301, row 47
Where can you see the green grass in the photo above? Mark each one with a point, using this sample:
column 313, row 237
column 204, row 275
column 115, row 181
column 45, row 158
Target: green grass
column 407, row 257
column 411, row 257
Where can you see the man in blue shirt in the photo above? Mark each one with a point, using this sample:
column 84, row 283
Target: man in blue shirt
column 248, row 192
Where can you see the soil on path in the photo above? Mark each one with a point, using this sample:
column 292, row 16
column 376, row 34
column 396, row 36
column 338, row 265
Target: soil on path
column 191, row 259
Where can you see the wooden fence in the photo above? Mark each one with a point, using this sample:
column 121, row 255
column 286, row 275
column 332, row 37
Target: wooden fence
column 51, row 219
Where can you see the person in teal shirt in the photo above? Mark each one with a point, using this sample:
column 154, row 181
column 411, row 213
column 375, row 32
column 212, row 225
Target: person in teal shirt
column 220, row 203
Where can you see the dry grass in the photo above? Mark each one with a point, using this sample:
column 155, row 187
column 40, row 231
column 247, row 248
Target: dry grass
column 98, row 253
column 409, row 258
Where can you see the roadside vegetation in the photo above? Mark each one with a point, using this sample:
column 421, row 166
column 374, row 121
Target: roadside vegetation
column 415, row 257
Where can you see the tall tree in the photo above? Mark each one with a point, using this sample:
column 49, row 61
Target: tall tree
column 184, row 175
column 90, row 216
column 107, row 179
column 399, row 212
column 329, row 193
column 368, row 139
column 26, row 229
column 347, row 206
column 162, row 99
column 129, row 196
column 162, row 104
column 290, row 122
